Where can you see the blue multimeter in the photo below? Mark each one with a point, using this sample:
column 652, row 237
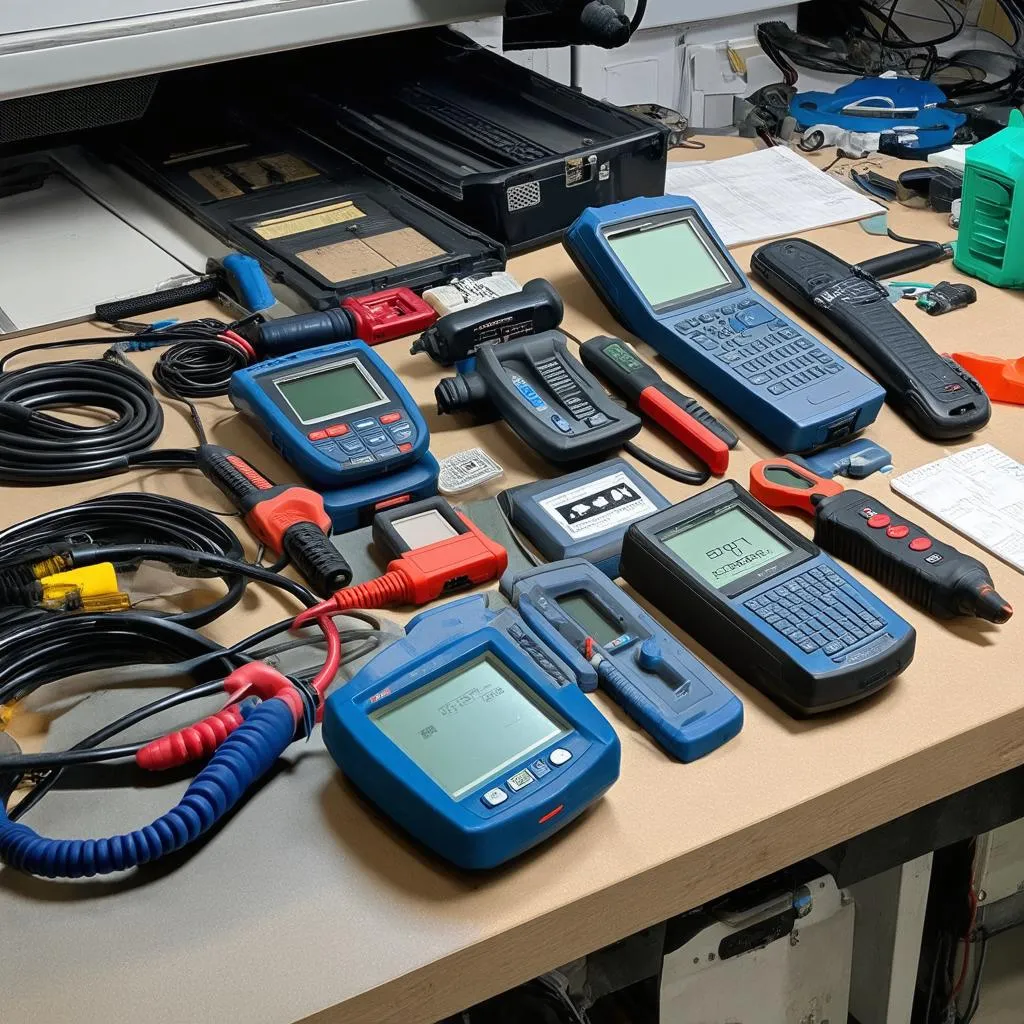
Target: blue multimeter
column 664, row 688
column 661, row 269
column 767, row 601
column 472, row 735
column 338, row 414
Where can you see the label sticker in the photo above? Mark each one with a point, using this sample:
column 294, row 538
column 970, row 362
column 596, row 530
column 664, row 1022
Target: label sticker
column 598, row 505
column 308, row 220
column 216, row 182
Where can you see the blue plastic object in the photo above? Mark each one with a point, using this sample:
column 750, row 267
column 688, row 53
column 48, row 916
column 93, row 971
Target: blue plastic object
column 904, row 110
column 352, row 506
column 664, row 688
column 703, row 317
column 303, row 404
column 248, row 282
column 583, row 514
column 242, row 758
column 856, row 460
column 428, row 731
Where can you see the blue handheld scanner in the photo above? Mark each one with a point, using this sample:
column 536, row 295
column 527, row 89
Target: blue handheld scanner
column 338, row 414
column 662, row 270
column 664, row 688
column 472, row 735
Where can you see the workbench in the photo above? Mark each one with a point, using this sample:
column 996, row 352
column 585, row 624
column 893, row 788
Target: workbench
column 309, row 906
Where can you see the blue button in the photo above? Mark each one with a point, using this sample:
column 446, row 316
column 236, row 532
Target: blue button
column 353, row 447
column 385, row 453
column 563, row 425
column 377, row 439
column 370, row 424
column 402, row 433
column 540, row 768
column 330, row 449
column 526, row 390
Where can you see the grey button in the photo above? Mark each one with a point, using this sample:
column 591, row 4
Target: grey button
column 494, row 797
column 560, row 755
column 520, row 780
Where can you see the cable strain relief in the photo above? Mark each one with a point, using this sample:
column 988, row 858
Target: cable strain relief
column 392, row 588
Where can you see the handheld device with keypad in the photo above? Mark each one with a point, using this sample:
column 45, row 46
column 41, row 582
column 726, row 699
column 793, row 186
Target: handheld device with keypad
column 771, row 604
column 662, row 270
column 338, row 414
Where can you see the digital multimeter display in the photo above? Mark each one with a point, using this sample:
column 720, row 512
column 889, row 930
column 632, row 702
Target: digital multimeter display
column 726, row 547
column 671, row 263
column 585, row 613
column 330, row 392
column 469, row 725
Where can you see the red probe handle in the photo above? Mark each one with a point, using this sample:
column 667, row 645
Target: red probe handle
column 708, row 447
column 777, row 495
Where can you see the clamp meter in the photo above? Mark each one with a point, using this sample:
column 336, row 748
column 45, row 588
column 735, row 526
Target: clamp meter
column 548, row 398
column 773, row 606
column 661, row 269
column 682, row 417
column 472, row 735
column 338, row 414
column 610, row 640
column 862, row 531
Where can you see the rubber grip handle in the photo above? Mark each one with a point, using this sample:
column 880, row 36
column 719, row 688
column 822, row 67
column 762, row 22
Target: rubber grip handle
column 232, row 475
column 305, row 330
column 318, row 561
column 633, row 701
column 191, row 743
column 709, row 421
column 127, row 309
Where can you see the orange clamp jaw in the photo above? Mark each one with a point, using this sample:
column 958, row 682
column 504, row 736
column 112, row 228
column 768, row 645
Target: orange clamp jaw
column 451, row 564
column 1002, row 379
column 781, row 483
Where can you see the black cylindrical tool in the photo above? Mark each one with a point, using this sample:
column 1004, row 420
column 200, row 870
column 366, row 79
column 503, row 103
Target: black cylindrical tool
column 535, row 309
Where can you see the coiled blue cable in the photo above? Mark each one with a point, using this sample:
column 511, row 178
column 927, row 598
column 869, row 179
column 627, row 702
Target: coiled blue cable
column 245, row 756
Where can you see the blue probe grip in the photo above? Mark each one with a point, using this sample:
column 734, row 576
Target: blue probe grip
column 249, row 282
column 633, row 701
column 244, row 756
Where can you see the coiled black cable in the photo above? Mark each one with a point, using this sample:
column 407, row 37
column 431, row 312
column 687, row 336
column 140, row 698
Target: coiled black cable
column 38, row 448
column 137, row 519
column 199, row 369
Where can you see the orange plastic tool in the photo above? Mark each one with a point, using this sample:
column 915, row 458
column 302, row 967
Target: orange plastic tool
column 1002, row 379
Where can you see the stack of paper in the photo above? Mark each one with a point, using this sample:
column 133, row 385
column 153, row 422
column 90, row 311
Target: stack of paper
column 766, row 194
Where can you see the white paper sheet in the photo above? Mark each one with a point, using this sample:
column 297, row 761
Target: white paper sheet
column 979, row 492
column 766, row 194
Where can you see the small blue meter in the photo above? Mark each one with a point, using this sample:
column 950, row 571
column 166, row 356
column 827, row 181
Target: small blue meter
column 338, row 414
column 574, row 607
column 472, row 735
column 661, row 269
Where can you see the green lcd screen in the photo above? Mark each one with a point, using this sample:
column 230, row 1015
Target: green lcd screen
column 671, row 263
column 618, row 353
column 470, row 725
column 328, row 393
column 726, row 547
column 585, row 613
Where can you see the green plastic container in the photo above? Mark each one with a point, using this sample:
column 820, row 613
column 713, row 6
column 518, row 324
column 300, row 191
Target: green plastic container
column 990, row 243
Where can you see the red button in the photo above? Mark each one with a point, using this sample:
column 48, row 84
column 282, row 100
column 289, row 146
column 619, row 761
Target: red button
column 406, row 447
column 897, row 532
column 390, row 417
column 317, row 435
column 920, row 544
column 878, row 520
column 338, row 430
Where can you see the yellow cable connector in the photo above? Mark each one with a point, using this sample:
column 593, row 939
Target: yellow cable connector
column 94, row 588
column 50, row 566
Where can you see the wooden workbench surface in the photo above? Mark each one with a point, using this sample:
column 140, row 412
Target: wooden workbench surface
column 309, row 906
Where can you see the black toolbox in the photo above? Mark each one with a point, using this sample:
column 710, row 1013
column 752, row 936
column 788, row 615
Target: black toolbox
column 317, row 222
column 516, row 155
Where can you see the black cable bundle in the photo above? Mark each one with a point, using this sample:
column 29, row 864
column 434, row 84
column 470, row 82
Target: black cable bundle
column 39, row 448
column 136, row 519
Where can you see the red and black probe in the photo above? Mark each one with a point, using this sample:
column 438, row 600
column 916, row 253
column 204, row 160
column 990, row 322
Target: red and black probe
column 641, row 385
column 862, row 531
